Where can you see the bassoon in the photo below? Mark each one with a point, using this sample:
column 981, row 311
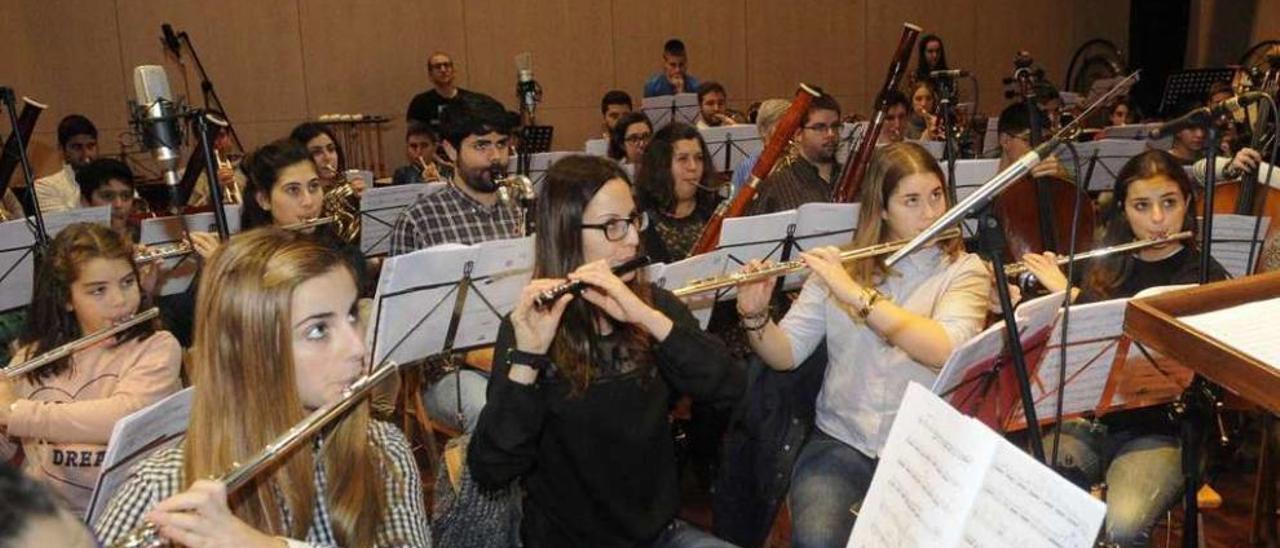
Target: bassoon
column 773, row 150
column 855, row 165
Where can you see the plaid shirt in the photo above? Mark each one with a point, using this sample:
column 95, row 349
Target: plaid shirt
column 404, row 522
column 791, row 187
column 450, row 216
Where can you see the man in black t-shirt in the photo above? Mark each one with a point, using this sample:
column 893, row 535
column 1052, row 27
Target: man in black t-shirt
column 426, row 106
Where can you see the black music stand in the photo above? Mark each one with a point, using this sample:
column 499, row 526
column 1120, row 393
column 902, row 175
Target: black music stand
column 1191, row 84
column 535, row 139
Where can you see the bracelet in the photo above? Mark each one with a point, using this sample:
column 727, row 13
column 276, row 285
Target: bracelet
column 874, row 296
column 755, row 322
column 539, row 362
column 757, row 315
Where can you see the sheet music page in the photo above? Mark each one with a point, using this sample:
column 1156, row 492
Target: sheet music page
column 971, row 174
column 1239, row 327
column 539, row 163
column 1093, row 334
column 1112, row 155
column 177, row 272
column 415, row 294
column 754, row 237
column 821, row 224
column 850, row 135
column 1233, row 240
column 501, row 270
column 55, row 222
column 930, row 471
column 133, row 438
column 1023, row 503
column 379, row 209
column 17, row 264
column 984, row 347
column 680, row 273
column 596, row 147
column 730, row 145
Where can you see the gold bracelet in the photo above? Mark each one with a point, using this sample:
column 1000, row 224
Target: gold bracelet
column 874, row 296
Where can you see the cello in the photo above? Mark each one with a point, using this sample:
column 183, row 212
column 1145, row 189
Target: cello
column 1037, row 213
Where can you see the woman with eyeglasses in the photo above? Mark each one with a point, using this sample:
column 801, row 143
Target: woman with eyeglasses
column 578, row 399
column 629, row 138
column 674, row 187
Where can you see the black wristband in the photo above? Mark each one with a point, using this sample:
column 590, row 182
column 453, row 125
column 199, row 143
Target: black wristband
column 539, row 362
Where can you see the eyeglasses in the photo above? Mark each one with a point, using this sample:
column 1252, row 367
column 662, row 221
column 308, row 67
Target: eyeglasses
column 618, row 229
column 824, row 128
column 639, row 138
column 440, row 66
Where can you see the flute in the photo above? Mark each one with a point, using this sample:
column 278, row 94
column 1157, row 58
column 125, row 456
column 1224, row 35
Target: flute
column 789, row 267
column 77, row 345
column 549, row 297
column 162, row 252
column 1018, row 269
column 147, row 535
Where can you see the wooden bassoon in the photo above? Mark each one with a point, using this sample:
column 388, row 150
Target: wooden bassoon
column 773, row 150
column 855, row 166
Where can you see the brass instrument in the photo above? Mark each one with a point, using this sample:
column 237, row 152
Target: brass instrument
column 1018, row 269
column 77, row 345
column 147, row 535
column 162, row 252
column 790, row 267
column 233, row 191
column 513, row 189
column 311, row 223
column 342, row 203
column 428, row 172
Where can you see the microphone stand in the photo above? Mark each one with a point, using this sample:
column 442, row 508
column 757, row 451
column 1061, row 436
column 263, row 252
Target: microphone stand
column 206, row 88
column 947, row 110
column 10, row 105
column 201, row 122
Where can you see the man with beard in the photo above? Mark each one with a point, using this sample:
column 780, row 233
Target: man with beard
column 78, row 140
column 811, row 174
column 476, row 133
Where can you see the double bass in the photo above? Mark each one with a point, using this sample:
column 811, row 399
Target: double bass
column 1248, row 196
column 1038, row 213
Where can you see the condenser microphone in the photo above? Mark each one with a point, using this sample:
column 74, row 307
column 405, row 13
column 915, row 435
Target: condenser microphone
column 156, row 118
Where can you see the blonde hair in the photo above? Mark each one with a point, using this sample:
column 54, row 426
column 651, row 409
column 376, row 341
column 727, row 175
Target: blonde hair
column 770, row 111
column 889, row 166
column 244, row 377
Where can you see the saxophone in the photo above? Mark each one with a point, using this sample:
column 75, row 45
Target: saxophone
column 342, row 203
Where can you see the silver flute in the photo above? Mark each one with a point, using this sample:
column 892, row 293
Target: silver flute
column 162, row 252
column 147, row 535
column 1018, row 269
column 72, row 347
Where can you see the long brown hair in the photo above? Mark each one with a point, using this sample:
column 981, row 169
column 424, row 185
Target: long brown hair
column 889, row 166
column 569, row 186
column 1105, row 274
column 244, row 377
column 50, row 323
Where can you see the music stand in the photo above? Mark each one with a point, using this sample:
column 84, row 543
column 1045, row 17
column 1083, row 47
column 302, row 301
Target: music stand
column 671, row 276
column 536, row 139
column 18, row 243
column 1193, row 84
column 730, row 145
column 816, row 225
column 1102, row 160
column 664, row 109
column 539, row 163
column 1238, row 242
column 380, row 207
column 850, row 135
column 180, row 271
column 596, row 147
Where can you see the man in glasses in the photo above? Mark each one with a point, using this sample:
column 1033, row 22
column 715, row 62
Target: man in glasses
column 1014, row 130
column 476, row 133
column 810, row 175
column 426, row 106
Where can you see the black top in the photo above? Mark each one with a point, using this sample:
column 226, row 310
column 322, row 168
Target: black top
column 669, row 239
column 599, row 469
column 426, row 106
column 1180, row 268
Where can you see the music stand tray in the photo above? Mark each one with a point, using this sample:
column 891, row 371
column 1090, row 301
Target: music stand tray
column 1154, row 322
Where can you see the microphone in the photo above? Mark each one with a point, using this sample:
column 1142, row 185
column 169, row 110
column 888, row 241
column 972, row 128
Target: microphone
column 527, row 89
column 1199, row 116
column 950, row 73
column 156, row 118
column 170, row 40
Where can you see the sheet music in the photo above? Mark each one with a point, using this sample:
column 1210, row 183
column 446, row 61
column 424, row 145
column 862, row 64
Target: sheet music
column 660, row 109
column 678, row 274
column 820, row 224
column 984, row 347
column 379, row 209
column 179, row 271
column 596, row 147
column 935, row 148
column 1024, row 503
column 55, row 222
column 971, row 174
column 1239, row 327
column 539, row 163
column 929, row 472
column 946, row 480
column 1235, row 244
column 1113, row 154
column 1093, row 336
column 850, row 135
column 17, row 264
column 755, row 237
column 133, row 438
column 730, row 145
column 417, row 293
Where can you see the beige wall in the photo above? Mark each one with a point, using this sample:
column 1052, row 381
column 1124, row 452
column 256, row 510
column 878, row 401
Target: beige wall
column 278, row 62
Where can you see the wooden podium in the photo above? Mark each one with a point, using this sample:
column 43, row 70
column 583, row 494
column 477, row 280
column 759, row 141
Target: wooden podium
column 1153, row 321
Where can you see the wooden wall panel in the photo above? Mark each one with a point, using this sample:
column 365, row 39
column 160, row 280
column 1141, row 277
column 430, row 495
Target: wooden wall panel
column 715, row 33
column 818, row 42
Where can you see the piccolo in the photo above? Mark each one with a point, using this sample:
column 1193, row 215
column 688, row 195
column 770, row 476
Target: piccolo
column 1018, row 269
column 549, row 297
column 790, row 267
column 72, row 347
column 310, row 223
column 162, row 252
column 147, row 535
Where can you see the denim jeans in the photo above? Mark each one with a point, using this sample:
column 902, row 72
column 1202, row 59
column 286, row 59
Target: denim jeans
column 830, row 477
column 680, row 534
column 441, row 399
column 1143, row 473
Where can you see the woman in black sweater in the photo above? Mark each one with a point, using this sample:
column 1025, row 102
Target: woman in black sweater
column 580, row 390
